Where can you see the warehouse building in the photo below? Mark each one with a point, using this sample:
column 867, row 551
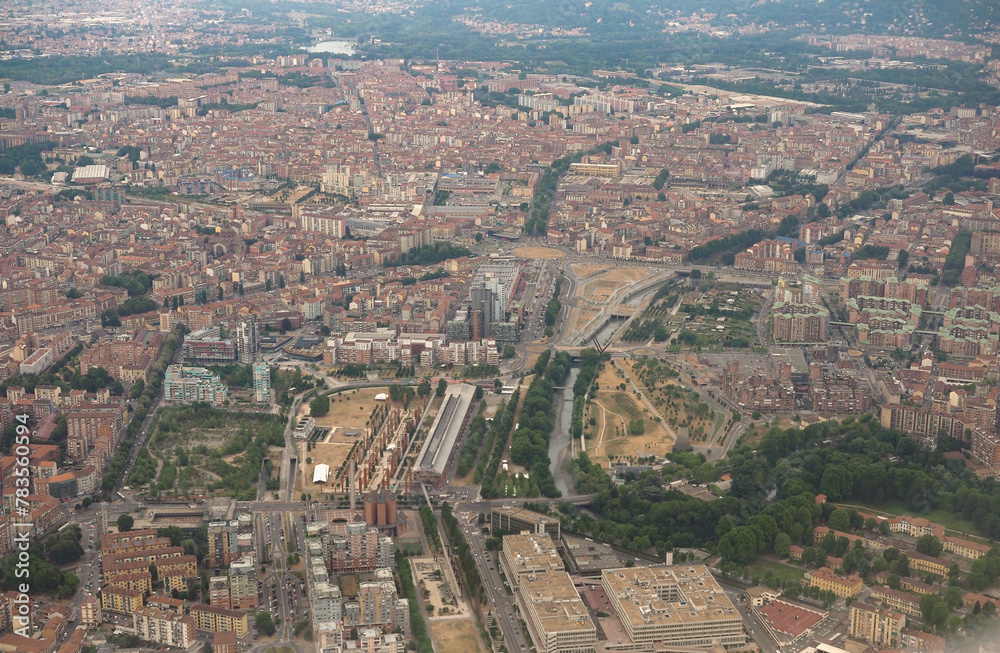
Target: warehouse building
column 440, row 447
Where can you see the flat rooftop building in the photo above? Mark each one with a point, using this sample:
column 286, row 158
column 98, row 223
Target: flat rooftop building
column 557, row 619
column 677, row 606
column 440, row 446
column 529, row 555
column 518, row 520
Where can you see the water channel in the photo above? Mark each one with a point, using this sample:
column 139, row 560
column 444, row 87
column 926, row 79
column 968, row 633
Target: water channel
column 560, row 447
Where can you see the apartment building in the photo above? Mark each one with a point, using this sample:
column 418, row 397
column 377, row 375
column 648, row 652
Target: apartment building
column 206, row 347
column 175, row 572
column 878, row 626
column 164, row 627
column 923, row 424
column 261, row 383
column 218, row 592
column 187, row 385
column 215, row 619
column 229, row 541
column 358, row 547
column 376, row 605
column 373, row 641
column 842, row 586
column 793, row 322
column 243, row 584
column 677, row 605
column 118, row 599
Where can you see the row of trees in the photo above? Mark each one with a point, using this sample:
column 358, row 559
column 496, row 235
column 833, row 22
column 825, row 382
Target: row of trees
column 530, row 446
column 546, row 188
column 26, row 157
column 590, row 363
column 417, row 623
column 154, row 382
column 466, row 556
column 429, row 255
column 494, row 449
column 478, row 428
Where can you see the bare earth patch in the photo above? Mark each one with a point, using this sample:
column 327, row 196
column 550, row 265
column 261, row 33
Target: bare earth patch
column 538, row 253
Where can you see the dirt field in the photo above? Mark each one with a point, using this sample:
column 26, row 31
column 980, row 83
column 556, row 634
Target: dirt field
column 539, row 253
column 582, row 270
column 348, row 412
column 674, row 402
column 437, row 591
column 455, row 636
column 610, row 412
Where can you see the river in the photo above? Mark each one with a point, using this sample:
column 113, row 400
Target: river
column 560, row 449
column 607, row 332
column 333, row 47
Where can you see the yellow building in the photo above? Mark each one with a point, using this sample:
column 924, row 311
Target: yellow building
column 117, row 599
column 175, row 572
column 825, row 579
column 908, row 604
column 879, row 626
column 214, row 619
column 925, row 564
column 140, row 581
column 965, row 548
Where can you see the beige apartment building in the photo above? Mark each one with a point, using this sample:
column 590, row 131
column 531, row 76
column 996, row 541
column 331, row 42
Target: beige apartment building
column 879, row 626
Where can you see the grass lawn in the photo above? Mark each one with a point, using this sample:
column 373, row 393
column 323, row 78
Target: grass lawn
column 949, row 520
column 780, row 570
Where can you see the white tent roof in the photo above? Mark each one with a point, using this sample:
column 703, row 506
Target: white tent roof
column 321, row 473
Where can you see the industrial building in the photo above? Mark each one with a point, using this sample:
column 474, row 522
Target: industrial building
column 440, row 447
column 381, row 513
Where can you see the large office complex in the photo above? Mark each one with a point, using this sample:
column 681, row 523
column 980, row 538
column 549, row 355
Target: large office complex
column 676, row 606
column 528, row 555
column 556, row 616
column 517, row 520
column 187, row 385
column 441, row 444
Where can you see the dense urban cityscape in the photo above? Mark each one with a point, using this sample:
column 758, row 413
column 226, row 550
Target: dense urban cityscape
column 375, row 326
